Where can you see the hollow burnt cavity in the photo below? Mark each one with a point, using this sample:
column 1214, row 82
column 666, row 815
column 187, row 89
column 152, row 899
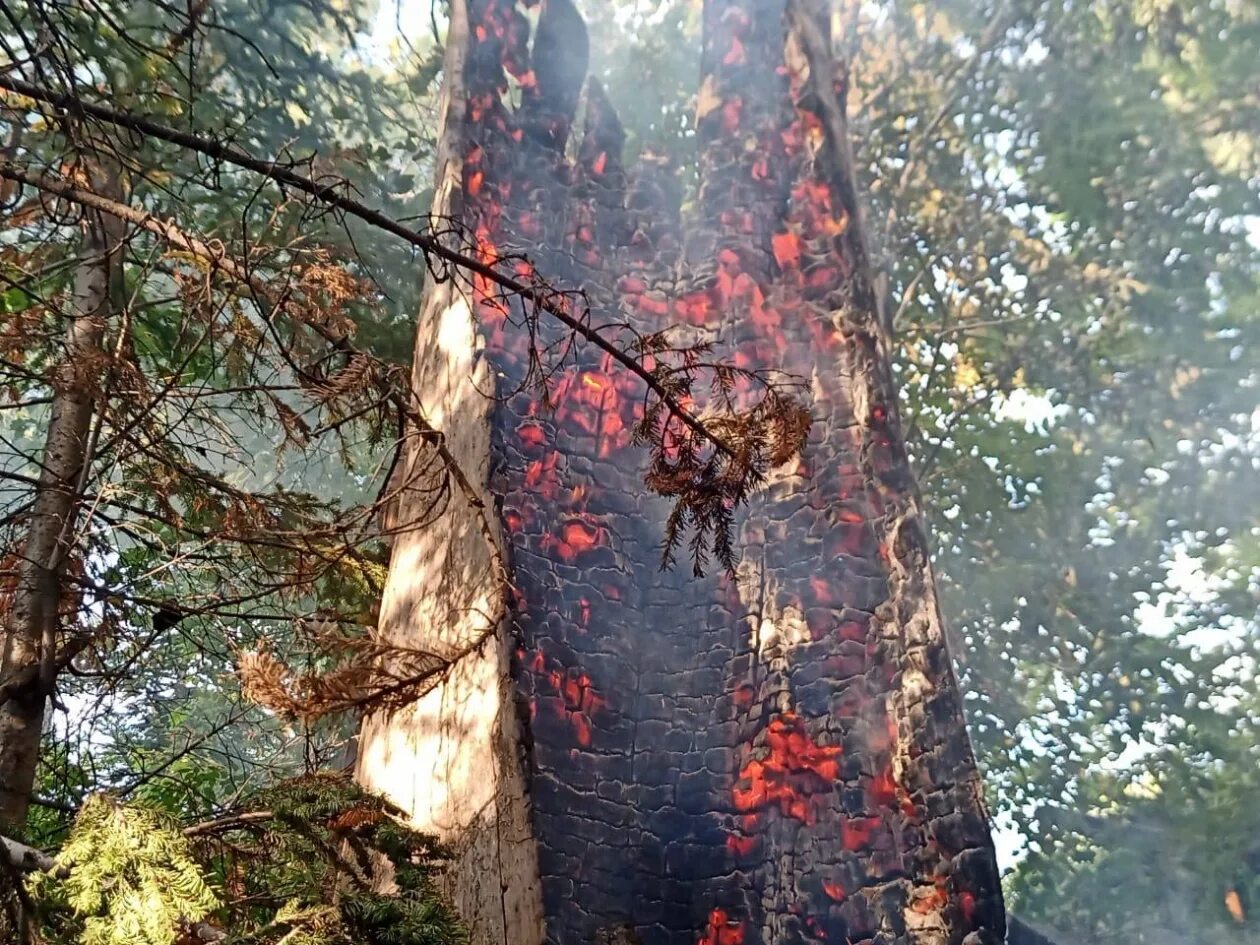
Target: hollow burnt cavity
column 772, row 756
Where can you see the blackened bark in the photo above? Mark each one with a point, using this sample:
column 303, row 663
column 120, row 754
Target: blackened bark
column 778, row 756
column 34, row 649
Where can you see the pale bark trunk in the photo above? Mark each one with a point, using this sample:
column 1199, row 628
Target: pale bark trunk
column 31, row 660
column 452, row 759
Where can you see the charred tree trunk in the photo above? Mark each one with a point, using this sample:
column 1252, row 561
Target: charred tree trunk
column 778, row 756
column 35, row 650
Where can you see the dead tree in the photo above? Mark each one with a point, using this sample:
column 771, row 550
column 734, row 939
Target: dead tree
column 776, row 753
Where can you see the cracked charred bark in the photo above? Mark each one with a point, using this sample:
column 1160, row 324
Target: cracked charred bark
column 35, row 648
column 774, row 756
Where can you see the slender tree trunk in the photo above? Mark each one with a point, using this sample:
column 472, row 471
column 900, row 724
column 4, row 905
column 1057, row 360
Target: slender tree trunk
column 778, row 756
column 34, row 648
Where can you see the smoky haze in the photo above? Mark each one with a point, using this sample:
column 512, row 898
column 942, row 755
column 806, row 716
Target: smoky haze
column 1047, row 281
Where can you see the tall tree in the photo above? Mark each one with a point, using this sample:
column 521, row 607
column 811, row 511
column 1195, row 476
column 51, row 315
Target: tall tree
column 776, row 753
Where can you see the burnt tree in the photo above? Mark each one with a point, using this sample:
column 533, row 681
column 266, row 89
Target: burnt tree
column 630, row 754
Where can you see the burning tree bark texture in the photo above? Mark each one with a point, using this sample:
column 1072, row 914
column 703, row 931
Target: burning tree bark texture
column 773, row 756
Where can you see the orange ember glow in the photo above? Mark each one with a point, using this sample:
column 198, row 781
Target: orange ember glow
column 852, row 630
column 882, row 791
column 578, row 700
column 967, row 903
column 787, row 250
column 531, row 434
column 856, row 832
column 796, row 770
column 722, row 930
column 735, row 55
column 927, row 902
column 834, row 890
column 740, row 845
column 600, row 164
column 541, row 476
column 581, row 536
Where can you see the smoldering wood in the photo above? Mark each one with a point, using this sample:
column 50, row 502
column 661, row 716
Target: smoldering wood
column 776, row 755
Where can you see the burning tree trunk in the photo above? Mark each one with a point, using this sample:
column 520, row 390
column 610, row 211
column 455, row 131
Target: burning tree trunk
column 778, row 755
column 34, row 605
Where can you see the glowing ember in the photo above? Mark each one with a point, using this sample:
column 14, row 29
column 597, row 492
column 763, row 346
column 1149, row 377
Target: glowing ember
column 928, row 901
column 787, row 250
column 882, row 791
column 856, row 833
column 967, row 904
column 796, row 770
column 531, row 434
column 722, row 930
column 834, row 890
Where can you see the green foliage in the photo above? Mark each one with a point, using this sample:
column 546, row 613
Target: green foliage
column 313, row 860
column 333, row 866
column 132, row 879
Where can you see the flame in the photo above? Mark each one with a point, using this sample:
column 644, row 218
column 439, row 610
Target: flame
column 787, row 250
column 531, row 433
column 796, row 770
column 722, row 930
column 882, row 791
column 600, row 164
column 967, row 904
column 856, row 832
column 928, row 901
